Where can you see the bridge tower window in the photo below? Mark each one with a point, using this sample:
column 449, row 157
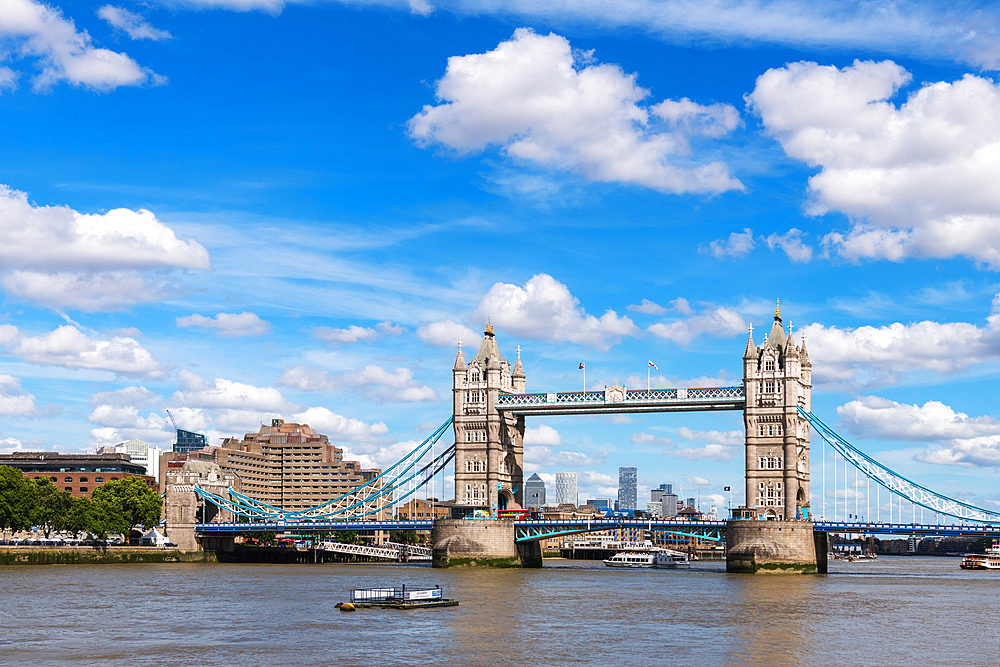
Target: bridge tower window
column 769, row 365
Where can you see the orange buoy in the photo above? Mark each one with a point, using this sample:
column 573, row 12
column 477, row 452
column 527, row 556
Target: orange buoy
column 347, row 606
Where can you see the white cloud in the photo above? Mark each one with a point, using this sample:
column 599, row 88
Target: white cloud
column 14, row 400
column 737, row 246
column 711, row 451
column 544, row 309
column 61, row 258
column 228, row 325
column 90, row 292
column 917, row 180
column 538, row 457
column 69, row 347
column 537, row 102
column 126, row 396
column 134, row 24
column 390, row 329
column 339, row 428
column 40, row 34
column 791, row 243
column 874, row 356
column 881, row 418
column 543, row 435
column 445, row 333
column 717, row 322
column 13, row 445
column 720, row 437
column 648, row 307
column 981, row 452
column 351, row 334
column 372, row 381
column 222, row 393
column 697, row 481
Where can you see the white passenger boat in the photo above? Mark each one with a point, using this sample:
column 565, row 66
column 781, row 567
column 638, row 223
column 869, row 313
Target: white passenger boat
column 632, row 559
column 672, row 560
column 987, row 561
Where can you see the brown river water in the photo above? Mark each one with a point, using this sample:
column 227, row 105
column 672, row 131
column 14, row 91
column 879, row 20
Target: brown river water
column 896, row 611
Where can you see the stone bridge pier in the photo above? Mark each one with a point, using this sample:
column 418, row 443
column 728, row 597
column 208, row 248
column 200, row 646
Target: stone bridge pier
column 181, row 505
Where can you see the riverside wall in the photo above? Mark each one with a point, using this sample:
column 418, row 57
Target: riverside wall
column 101, row 556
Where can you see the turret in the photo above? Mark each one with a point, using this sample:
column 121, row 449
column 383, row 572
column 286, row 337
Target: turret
column 517, row 375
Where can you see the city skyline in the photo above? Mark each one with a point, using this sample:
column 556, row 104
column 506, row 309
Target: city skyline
column 296, row 211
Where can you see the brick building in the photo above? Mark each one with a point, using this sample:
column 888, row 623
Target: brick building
column 79, row 474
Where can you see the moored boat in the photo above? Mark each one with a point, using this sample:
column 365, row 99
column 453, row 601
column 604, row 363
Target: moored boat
column 632, row 559
column 671, row 560
column 985, row 561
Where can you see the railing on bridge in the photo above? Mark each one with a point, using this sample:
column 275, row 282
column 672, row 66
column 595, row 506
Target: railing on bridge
column 612, row 401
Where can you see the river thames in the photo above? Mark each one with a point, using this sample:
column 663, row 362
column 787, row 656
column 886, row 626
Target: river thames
column 896, row 611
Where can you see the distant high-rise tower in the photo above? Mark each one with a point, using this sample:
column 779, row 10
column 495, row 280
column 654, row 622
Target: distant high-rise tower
column 778, row 380
column 627, row 481
column 534, row 491
column 566, row 488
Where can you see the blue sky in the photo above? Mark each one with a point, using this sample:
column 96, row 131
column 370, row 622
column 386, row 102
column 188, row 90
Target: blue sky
column 242, row 209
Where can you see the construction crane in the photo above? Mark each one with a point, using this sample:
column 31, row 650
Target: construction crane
column 172, row 420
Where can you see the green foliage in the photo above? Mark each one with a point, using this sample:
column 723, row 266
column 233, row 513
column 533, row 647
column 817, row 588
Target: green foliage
column 403, row 536
column 86, row 515
column 347, row 537
column 52, row 506
column 980, row 545
column 129, row 502
column 259, row 537
column 17, row 499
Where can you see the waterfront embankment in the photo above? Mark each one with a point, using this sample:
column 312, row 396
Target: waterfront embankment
column 101, row 556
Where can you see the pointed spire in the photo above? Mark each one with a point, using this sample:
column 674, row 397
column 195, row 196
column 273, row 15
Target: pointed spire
column 790, row 349
column 518, row 371
column 751, row 351
column 804, row 354
column 460, row 359
column 776, row 338
column 489, row 326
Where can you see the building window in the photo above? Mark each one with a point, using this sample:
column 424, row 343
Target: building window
column 68, row 479
column 84, row 479
column 769, row 365
column 98, row 479
column 83, row 489
column 69, row 488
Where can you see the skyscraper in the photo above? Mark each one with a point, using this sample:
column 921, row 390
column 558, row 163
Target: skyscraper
column 534, row 491
column 627, row 480
column 566, row 488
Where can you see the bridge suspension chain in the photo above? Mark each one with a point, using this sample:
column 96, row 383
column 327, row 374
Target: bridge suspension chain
column 370, row 498
column 896, row 483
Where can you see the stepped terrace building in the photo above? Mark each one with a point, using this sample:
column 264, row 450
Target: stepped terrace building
column 286, row 465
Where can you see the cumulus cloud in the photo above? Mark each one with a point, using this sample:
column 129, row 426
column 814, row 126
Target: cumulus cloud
column 538, row 457
column 957, row 438
column 875, row 356
column 59, row 257
column 791, row 242
column 351, row 334
column 724, row 445
column 711, row 451
column 223, row 393
column 372, row 381
column 126, row 396
column 544, row 309
column 737, row 246
column 720, row 437
column 713, row 321
column 543, row 435
column 40, row 34
column 648, row 307
column 69, row 347
column 228, row 325
column 14, row 401
column 917, row 179
column 541, row 103
column 87, row 291
column 131, row 23
column 445, row 333
column 339, row 428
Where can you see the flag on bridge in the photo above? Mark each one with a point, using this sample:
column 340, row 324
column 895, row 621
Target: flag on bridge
column 726, row 489
column 653, row 365
column 581, row 365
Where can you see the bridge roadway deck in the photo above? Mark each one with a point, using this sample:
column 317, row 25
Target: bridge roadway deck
column 574, row 526
column 611, row 402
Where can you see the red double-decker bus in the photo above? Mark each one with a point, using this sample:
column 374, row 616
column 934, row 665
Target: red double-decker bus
column 514, row 515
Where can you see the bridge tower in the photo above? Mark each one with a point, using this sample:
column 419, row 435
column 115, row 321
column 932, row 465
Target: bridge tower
column 777, row 377
column 489, row 445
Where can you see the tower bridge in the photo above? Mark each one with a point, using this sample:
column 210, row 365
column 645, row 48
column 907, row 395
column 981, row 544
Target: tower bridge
column 490, row 407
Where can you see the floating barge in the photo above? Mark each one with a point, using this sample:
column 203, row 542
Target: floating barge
column 397, row 597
